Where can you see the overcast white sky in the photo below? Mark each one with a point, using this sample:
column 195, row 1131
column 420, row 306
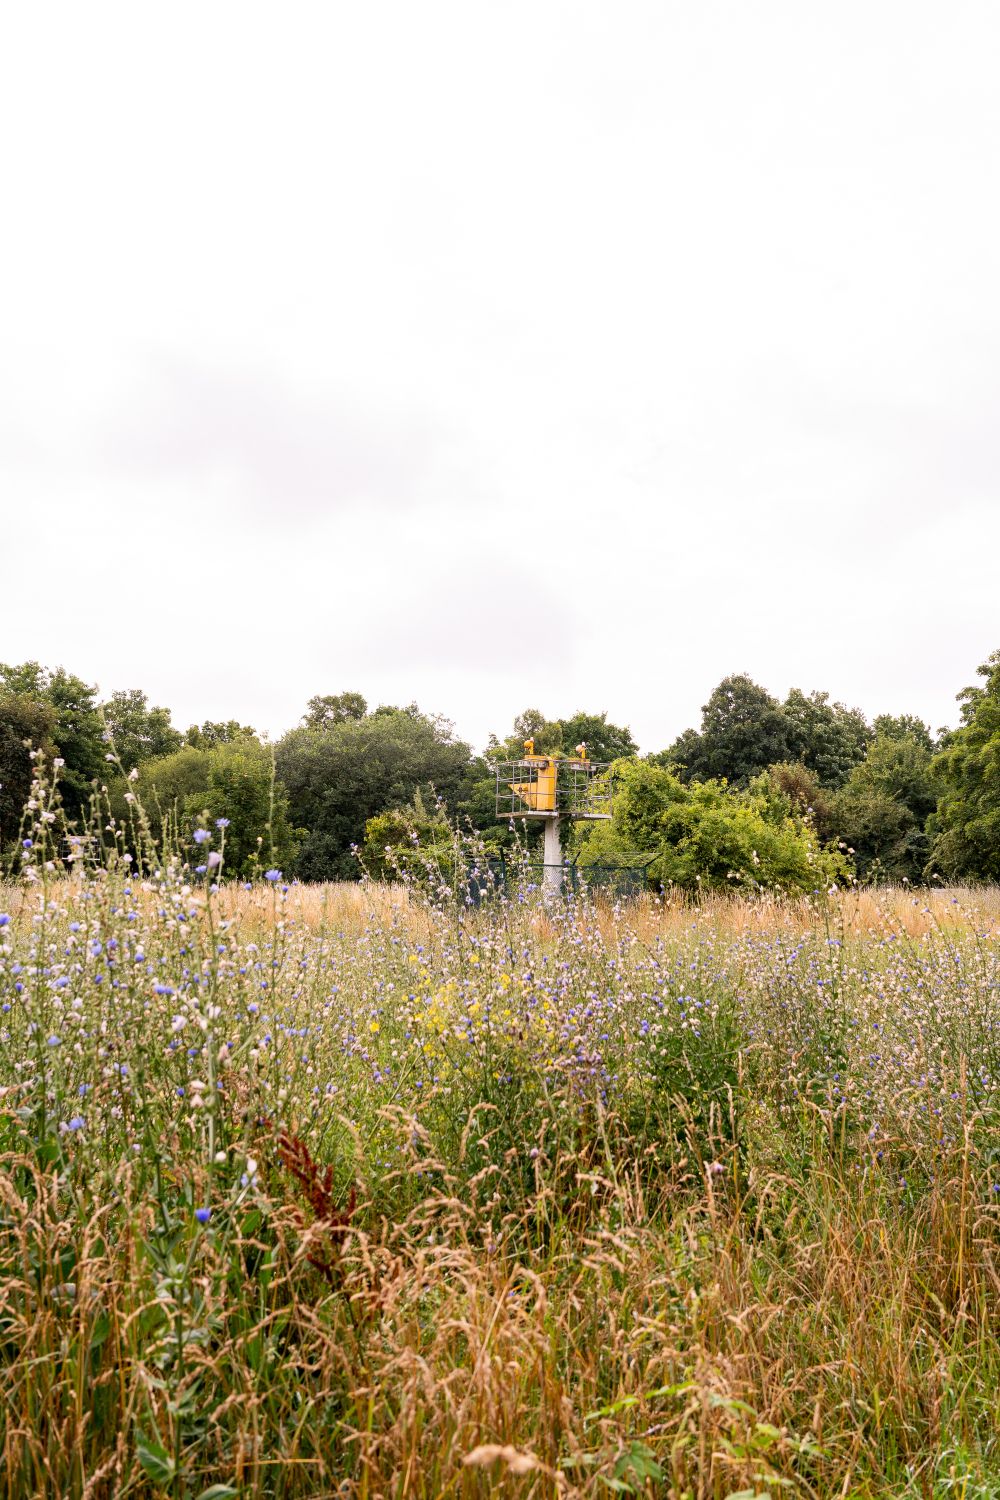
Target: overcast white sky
column 562, row 354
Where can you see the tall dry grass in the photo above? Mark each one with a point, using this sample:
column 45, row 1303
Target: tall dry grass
column 674, row 1199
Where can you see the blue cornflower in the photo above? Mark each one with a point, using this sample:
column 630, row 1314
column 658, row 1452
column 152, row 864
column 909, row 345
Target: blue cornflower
column 222, row 822
column 272, row 875
column 163, row 989
column 4, row 919
column 55, row 1041
column 25, row 843
column 200, row 869
column 77, row 1123
column 201, row 835
column 203, row 1215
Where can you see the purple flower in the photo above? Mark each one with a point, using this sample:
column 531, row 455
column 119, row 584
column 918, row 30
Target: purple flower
column 203, row 1215
column 4, row 919
column 272, row 875
column 77, row 1123
column 222, row 822
column 25, row 843
column 201, row 835
column 200, row 869
column 163, row 989
column 55, row 1041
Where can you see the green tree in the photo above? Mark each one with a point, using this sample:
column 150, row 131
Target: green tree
column 25, row 723
column 604, row 741
column 78, row 732
column 706, row 836
column 139, row 732
column 743, row 731
column 409, row 842
column 903, row 726
column 166, row 786
column 965, row 829
column 325, row 710
column 532, row 724
column 340, row 777
column 828, row 738
column 881, row 812
column 807, row 798
column 221, row 732
column 234, row 780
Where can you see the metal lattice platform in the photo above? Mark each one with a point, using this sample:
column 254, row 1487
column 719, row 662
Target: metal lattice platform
column 544, row 786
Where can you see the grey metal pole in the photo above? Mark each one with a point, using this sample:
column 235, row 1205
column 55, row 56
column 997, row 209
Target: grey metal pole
column 552, row 856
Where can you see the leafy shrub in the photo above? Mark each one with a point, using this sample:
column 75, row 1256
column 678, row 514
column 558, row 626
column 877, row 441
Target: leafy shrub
column 233, row 780
column 705, row 836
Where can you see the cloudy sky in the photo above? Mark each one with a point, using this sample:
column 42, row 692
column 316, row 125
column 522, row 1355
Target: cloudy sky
column 495, row 354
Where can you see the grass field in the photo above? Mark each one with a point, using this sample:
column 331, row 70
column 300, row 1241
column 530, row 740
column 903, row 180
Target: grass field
column 326, row 1191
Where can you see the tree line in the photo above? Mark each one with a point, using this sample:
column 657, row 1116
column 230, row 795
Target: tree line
column 762, row 792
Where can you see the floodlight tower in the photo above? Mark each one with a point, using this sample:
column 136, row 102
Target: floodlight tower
column 553, row 787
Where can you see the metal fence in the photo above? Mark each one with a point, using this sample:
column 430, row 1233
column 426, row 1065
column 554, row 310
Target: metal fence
column 616, row 882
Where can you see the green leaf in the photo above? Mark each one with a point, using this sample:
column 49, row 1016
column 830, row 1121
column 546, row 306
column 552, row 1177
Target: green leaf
column 639, row 1462
column 101, row 1330
column 612, row 1410
column 730, row 1403
column 155, row 1460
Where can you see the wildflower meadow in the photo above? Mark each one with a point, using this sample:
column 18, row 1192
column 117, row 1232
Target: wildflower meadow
column 374, row 1190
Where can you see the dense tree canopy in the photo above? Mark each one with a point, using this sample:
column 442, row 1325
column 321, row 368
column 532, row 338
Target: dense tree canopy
column 412, row 843
column 24, row 722
column 340, row 776
column 77, row 728
column 218, row 732
column 744, row 730
column 138, row 732
column 327, row 709
column 604, row 741
column 966, row 826
column 901, row 802
column 703, row 836
column 229, row 784
column 828, row 738
column 881, row 813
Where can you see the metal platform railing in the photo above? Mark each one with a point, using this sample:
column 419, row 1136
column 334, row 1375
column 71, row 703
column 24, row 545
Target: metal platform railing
column 545, row 786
